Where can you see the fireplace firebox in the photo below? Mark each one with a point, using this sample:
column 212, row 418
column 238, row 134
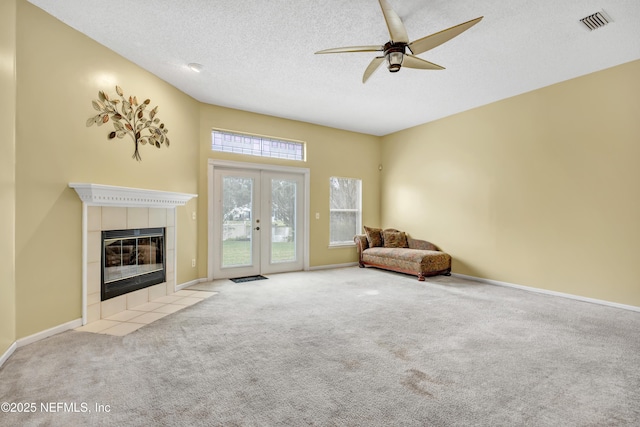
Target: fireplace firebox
column 131, row 260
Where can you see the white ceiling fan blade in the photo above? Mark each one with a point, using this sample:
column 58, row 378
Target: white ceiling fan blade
column 411, row 61
column 353, row 49
column 373, row 66
column 429, row 42
column 397, row 31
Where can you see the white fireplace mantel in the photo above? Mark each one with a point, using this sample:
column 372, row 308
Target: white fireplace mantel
column 109, row 195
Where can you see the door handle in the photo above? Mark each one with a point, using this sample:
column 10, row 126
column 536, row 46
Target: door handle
column 257, row 228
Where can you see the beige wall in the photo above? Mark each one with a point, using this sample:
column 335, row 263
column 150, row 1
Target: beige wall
column 540, row 190
column 7, row 172
column 60, row 72
column 330, row 152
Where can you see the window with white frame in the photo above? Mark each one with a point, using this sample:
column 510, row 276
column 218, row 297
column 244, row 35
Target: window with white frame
column 255, row 145
column 345, row 210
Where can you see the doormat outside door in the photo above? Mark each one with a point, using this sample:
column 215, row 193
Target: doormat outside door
column 248, row 279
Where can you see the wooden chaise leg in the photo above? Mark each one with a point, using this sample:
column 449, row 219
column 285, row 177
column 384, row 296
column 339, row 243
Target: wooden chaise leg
column 421, row 277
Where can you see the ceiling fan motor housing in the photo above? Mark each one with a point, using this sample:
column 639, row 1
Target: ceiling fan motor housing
column 394, row 53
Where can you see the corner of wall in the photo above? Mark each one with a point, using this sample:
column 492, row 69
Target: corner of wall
column 8, row 85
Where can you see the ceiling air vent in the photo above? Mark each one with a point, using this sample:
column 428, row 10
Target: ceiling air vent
column 595, row 21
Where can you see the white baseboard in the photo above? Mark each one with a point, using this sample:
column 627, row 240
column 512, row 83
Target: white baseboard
column 49, row 332
column 8, row 353
column 548, row 292
column 330, row 266
column 39, row 336
column 190, row 283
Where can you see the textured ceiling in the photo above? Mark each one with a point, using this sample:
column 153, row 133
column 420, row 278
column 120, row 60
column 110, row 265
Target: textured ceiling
column 259, row 55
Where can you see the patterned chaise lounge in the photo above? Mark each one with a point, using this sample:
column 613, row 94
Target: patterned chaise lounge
column 391, row 249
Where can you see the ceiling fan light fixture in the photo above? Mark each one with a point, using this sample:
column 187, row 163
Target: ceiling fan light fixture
column 394, row 61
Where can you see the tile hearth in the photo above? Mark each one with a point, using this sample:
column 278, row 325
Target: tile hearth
column 132, row 319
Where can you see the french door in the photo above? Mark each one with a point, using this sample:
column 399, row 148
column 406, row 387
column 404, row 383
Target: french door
column 257, row 222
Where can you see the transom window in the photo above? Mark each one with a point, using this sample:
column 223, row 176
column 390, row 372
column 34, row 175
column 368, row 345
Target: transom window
column 256, row 145
column 345, row 210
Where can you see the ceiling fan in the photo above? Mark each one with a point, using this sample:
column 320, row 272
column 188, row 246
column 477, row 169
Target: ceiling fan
column 394, row 51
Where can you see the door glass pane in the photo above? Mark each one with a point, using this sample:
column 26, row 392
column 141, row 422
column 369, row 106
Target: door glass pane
column 237, row 193
column 283, row 220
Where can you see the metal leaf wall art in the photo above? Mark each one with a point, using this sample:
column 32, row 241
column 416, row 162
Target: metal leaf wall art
column 130, row 118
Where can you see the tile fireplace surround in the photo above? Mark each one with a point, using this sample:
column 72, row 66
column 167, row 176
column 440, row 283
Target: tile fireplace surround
column 107, row 207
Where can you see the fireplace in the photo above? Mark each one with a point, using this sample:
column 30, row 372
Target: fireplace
column 132, row 259
column 107, row 208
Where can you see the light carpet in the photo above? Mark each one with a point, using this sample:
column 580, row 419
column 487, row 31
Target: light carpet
column 344, row 347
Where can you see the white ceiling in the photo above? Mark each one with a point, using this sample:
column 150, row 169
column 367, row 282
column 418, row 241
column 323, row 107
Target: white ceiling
column 259, row 55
